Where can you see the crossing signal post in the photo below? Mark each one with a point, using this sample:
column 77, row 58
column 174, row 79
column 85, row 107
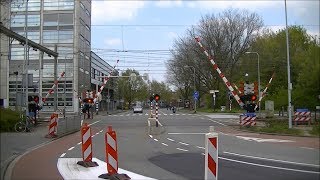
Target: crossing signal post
column 156, row 98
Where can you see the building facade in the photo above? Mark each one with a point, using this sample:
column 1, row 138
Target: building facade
column 65, row 23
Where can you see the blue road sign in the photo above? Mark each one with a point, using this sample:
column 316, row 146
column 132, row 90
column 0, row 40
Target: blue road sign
column 196, row 95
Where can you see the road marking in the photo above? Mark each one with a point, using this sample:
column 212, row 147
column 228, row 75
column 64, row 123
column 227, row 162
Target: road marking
column 262, row 140
column 182, row 149
column 269, row 159
column 93, row 123
column 307, row 148
column 165, row 114
column 203, row 154
column 201, row 118
column 185, row 133
column 121, row 115
column 156, row 140
column 101, row 131
column 97, row 133
column 150, row 136
column 183, row 114
column 273, row 167
column 146, row 114
column 164, row 144
column 217, row 122
column 171, row 114
column 184, row 143
column 70, row 148
column 62, row 155
column 79, row 143
column 170, row 139
column 200, row 147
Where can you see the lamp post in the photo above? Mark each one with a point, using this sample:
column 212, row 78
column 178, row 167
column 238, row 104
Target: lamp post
column 259, row 94
column 194, row 85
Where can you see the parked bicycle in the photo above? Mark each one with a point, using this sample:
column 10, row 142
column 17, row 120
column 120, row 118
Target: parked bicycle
column 25, row 124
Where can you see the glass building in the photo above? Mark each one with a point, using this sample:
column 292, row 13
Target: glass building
column 65, row 23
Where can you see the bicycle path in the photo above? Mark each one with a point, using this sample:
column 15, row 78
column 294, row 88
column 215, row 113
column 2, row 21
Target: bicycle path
column 14, row 144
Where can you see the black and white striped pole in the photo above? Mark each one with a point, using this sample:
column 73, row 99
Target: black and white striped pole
column 97, row 107
column 157, row 98
column 151, row 107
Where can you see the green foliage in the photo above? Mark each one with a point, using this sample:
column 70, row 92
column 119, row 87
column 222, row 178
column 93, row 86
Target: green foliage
column 278, row 127
column 315, row 130
column 8, row 119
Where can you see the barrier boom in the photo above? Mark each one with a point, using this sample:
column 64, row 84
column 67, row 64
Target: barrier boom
column 225, row 80
column 106, row 79
column 264, row 91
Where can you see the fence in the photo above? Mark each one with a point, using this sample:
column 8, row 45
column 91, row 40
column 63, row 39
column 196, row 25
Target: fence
column 68, row 125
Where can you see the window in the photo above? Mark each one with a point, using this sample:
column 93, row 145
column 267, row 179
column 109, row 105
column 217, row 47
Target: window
column 50, row 19
column 58, row 4
column 18, row 5
column 65, row 52
column 65, row 36
column 51, row 5
column 17, row 53
column 50, row 36
column 66, row 19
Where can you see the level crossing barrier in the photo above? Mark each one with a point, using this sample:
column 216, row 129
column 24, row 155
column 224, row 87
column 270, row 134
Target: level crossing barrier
column 302, row 116
column 248, row 119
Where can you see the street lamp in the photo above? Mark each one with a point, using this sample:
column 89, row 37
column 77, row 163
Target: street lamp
column 194, row 86
column 258, row 77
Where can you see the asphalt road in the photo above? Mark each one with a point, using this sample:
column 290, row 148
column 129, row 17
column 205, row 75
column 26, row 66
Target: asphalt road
column 178, row 153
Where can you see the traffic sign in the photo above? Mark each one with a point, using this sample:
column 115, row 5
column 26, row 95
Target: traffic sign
column 196, row 95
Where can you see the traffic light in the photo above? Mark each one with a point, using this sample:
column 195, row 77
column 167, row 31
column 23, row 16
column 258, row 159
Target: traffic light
column 36, row 99
column 253, row 97
column 248, row 97
column 151, row 98
column 157, row 97
column 88, row 100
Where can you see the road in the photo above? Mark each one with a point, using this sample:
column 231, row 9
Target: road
column 178, row 153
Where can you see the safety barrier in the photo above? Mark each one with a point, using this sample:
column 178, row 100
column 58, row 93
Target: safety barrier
column 53, row 126
column 112, row 156
column 211, row 156
column 248, row 119
column 86, row 147
column 302, row 116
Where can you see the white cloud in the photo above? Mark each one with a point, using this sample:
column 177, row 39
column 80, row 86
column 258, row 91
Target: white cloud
column 172, row 35
column 252, row 5
column 112, row 41
column 169, row 4
column 108, row 11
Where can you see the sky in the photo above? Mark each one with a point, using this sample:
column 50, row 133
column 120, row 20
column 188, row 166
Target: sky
column 140, row 34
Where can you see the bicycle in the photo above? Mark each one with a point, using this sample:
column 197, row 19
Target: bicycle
column 25, row 124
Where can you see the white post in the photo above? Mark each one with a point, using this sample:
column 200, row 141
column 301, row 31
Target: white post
column 211, row 156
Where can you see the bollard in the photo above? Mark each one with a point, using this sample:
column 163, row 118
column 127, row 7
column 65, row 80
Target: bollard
column 53, row 126
column 86, row 138
column 211, row 156
column 112, row 157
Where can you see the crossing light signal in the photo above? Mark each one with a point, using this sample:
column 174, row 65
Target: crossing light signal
column 36, row 99
column 88, row 100
column 253, row 97
column 157, row 97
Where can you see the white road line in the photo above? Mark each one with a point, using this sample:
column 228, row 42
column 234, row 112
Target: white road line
column 273, row 167
column 203, row 154
column 121, row 115
column 93, row 135
column 184, row 143
column 93, row 123
column 150, row 136
column 217, row 122
column 170, row 139
column 62, row 155
column 201, row 118
column 185, row 133
column 165, row 114
column 275, row 160
column 79, row 143
column 171, row 114
column 182, row 149
column 101, row 131
column 200, row 147
column 70, row 148
column 156, row 140
column 164, row 144
column 97, row 133
column 307, row 148
column 183, row 114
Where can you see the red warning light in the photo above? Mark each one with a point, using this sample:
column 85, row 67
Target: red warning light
column 156, row 97
column 253, row 97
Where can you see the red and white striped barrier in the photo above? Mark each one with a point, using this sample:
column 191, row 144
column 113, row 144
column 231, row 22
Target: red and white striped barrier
column 51, row 91
column 112, row 156
column 225, row 80
column 106, row 79
column 111, row 151
column 247, row 120
column 211, row 157
column 302, row 117
column 264, row 91
column 86, row 147
column 53, row 126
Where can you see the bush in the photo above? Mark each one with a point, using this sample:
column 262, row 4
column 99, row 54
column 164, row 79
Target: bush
column 8, row 118
column 315, row 130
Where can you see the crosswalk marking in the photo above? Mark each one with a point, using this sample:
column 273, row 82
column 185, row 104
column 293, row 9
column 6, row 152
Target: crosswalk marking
column 192, row 115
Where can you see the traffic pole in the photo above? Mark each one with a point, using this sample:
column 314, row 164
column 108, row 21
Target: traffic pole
column 157, row 124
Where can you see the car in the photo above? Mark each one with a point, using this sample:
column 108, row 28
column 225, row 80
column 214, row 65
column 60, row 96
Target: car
column 137, row 109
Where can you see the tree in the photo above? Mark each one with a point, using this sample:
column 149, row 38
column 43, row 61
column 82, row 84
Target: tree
column 226, row 36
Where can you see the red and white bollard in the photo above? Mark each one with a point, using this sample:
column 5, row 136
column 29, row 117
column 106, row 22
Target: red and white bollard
column 112, row 157
column 211, row 156
column 53, row 126
column 86, row 138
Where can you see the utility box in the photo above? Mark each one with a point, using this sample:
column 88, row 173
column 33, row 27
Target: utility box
column 269, row 107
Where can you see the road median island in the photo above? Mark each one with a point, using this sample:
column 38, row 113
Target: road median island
column 155, row 128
